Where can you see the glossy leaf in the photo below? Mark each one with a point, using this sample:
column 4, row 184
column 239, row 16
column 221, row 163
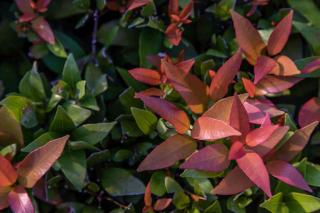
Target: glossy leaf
column 236, row 150
column 145, row 119
column 20, row 201
column 71, row 72
column 146, row 76
column 260, row 135
column 166, row 154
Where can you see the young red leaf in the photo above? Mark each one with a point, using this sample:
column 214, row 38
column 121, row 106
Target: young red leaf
column 8, row 175
column 147, row 196
column 239, row 119
column 150, row 92
column 26, row 17
column 186, row 11
column 166, row 154
column 253, row 166
column 260, row 135
column 191, row 88
column 4, row 191
column 210, row 129
column 263, row 66
column 236, row 150
column 136, row 4
column 213, row 158
column 233, row 183
column 284, row 67
column 20, row 201
column 173, row 8
column 24, row 6
column 39, row 161
column 224, row 77
column 249, row 87
column 280, row 35
column 266, row 106
column 42, row 5
column 174, row 34
column 221, row 109
column 147, row 76
column 288, row 174
column 248, row 37
column 295, row 144
column 185, row 66
column 309, row 112
column 162, row 204
column 168, row 111
column 43, row 29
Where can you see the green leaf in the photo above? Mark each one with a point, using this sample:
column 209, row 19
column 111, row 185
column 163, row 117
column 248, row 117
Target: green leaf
column 273, row 204
column 122, row 155
column 74, row 166
column 96, row 81
column 108, row 33
column 157, row 182
column 310, row 33
column 298, row 202
column 200, row 185
column 214, row 208
column 71, row 72
column 191, row 173
column 180, row 200
column 77, row 114
column 57, row 49
column 150, row 42
column 145, row 119
column 119, row 182
column 31, row 85
column 92, row 133
column 81, row 89
column 61, row 121
column 307, row 8
column 82, row 145
column 127, row 99
column 130, row 128
column 99, row 157
column 172, row 186
column 40, row 141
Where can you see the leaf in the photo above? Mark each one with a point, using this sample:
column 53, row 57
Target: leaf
column 119, row 182
column 145, row 119
column 147, row 76
column 168, row 111
column 39, row 161
column 263, row 66
column 180, row 200
column 310, row 34
column 4, row 191
column 8, row 174
column 249, row 87
column 162, row 203
column 71, row 72
column 166, row 154
column 233, row 183
column 172, row 186
column 61, row 121
column 224, row 77
column 43, row 29
column 248, row 37
column 274, row 203
column 10, row 129
column 57, row 49
column 92, row 133
column 260, row 135
column 308, row 9
column 150, row 41
column 20, row 201
column 96, row 81
column 280, row 35
column 295, row 144
column 303, row 203
column 24, row 6
column 191, row 88
column 213, row 158
column 215, row 207
column 284, row 67
column 288, row 174
column 309, row 112
column 210, row 129
column 250, row 163
column 77, row 114
column 137, row 3
column 74, row 166
column 236, row 150
column 157, row 183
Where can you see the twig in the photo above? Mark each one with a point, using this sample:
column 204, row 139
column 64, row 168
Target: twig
column 94, row 37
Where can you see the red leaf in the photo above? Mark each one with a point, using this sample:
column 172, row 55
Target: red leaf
column 147, row 196
column 166, row 154
column 309, row 112
column 249, row 87
column 26, row 17
column 239, row 119
column 8, row 174
column 288, row 174
column 20, row 201
column 280, row 35
column 42, row 5
column 187, row 10
column 224, row 77
column 43, row 29
column 295, row 144
column 271, row 84
column 24, row 6
column 162, row 204
column 213, row 158
column 252, row 165
column 248, row 37
column 137, row 3
column 266, row 106
column 260, row 135
column 221, row 109
column 168, row 111
column 174, row 34
column 150, row 92
column 266, row 147
column 233, row 183
column 312, row 66
column 263, row 66
column 146, row 76
column 4, row 191
column 191, row 88
column 284, row 67
column 210, row 129
column 39, row 161
column 185, row 66
column 173, row 8
column 236, row 150
column 266, row 121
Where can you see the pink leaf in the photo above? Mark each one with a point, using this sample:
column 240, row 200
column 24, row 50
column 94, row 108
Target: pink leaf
column 166, row 154
column 20, row 201
column 271, row 84
column 185, row 66
column 210, row 129
column 263, row 66
column 309, row 112
column 284, row 67
column 252, row 165
column 147, row 76
column 224, row 77
column 39, row 161
column 260, row 135
column 43, row 29
column 280, row 35
column 213, row 158
column 288, row 174
column 24, row 6
column 137, row 3
column 162, row 204
column 236, row 150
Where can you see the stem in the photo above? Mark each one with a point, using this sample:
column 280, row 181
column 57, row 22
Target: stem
column 94, row 37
